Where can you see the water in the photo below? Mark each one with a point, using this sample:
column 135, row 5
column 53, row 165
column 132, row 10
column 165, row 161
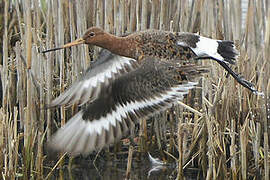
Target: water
column 83, row 168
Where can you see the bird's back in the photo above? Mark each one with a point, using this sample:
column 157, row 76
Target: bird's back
column 162, row 45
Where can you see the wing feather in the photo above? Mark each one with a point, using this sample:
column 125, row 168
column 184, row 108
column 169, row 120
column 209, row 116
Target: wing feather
column 138, row 94
column 102, row 73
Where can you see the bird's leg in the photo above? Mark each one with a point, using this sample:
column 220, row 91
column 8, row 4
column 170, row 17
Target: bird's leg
column 239, row 78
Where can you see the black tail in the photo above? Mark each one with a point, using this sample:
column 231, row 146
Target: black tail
column 203, row 47
column 227, row 50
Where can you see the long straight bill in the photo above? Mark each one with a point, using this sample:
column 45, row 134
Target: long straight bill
column 73, row 43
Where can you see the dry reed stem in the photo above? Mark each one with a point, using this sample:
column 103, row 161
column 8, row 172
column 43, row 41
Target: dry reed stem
column 55, row 166
column 144, row 15
column 163, row 15
column 228, row 104
column 266, row 156
column 28, row 123
column 2, row 130
column 233, row 150
column 4, row 74
column 129, row 161
column 243, row 145
column 190, row 108
column 49, row 65
column 132, row 20
column 180, row 151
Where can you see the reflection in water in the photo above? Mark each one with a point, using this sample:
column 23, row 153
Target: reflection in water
column 83, row 168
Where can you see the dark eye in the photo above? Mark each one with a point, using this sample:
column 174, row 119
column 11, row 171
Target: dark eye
column 91, row 34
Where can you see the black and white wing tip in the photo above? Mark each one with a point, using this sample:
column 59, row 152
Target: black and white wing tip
column 81, row 136
column 100, row 75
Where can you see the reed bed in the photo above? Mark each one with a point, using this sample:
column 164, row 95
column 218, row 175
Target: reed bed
column 224, row 131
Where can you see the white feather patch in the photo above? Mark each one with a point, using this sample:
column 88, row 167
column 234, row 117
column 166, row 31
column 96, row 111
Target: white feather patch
column 108, row 73
column 79, row 136
column 91, row 84
column 122, row 111
column 205, row 47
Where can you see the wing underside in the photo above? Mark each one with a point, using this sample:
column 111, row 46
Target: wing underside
column 138, row 94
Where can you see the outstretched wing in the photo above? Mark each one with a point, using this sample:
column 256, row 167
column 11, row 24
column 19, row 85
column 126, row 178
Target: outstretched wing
column 102, row 72
column 153, row 87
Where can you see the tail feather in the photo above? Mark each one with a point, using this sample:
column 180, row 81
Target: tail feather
column 227, row 50
column 223, row 51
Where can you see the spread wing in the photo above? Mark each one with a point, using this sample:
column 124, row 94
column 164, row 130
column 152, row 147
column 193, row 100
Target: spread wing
column 102, row 72
column 153, row 87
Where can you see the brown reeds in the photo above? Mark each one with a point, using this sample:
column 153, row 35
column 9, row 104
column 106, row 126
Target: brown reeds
column 224, row 130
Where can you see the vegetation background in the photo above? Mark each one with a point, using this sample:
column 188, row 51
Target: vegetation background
column 224, row 129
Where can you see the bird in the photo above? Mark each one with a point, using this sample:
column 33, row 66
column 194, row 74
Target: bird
column 115, row 93
column 165, row 45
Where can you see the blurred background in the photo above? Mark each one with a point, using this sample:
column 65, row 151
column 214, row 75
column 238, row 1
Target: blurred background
column 223, row 133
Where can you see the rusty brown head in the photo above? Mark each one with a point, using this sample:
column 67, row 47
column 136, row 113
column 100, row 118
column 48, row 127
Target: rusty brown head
column 93, row 36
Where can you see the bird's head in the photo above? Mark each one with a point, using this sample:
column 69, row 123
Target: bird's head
column 93, row 36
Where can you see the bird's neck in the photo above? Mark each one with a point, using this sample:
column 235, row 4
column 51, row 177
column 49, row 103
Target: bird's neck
column 124, row 46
